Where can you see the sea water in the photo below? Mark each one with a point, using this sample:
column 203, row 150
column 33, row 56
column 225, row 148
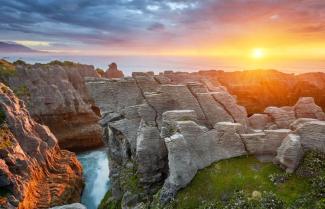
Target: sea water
column 95, row 172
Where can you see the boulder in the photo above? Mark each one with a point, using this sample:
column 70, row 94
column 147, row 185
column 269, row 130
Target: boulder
column 312, row 135
column 282, row 117
column 289, row 153
column 259, row 121
column 306, row 108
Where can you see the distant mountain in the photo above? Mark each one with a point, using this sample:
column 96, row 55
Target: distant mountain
column 11, row 47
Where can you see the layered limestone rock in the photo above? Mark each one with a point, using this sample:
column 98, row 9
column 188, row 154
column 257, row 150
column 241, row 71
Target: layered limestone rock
column 35, row 172
column 55, row 95
column 290, row 153
column 165, row 128
column 154, row 124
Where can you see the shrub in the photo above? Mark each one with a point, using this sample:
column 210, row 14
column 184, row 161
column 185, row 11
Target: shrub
column 19, row 62
column 318, row 186
column 239, row 201
column 271, row 201
column 22, row 91
column 312, row 165
column 65, row 63
column 100, row 71
column 6, row 70
column 320, row 204
column 278, row 178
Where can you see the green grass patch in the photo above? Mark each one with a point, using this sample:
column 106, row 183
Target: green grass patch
column 221, row 180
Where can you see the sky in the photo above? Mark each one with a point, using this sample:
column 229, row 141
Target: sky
column 276, row 29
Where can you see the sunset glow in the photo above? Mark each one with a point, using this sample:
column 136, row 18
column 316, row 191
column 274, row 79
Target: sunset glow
column 258, row 53
column 261, row 31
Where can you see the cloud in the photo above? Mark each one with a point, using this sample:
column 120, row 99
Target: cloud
column 148, row 23
column 156, row 27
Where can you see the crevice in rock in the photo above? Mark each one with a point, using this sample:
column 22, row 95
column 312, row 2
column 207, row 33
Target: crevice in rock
column 242, row 141
column 144, row 97
column 210, row 126
column 225, row 108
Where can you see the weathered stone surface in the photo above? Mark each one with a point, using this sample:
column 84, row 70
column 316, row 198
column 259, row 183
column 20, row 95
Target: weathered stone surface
column 146, row 83
column 312, row 135
column 113, row 72
column 169, row 119
column 264, row 143
column 259, row 121
column 151, row 155
column 33, row 167
column 71, row 206
column 282, row 117
column 229, row 103
column 194, row 147
column 306, row 108
column 299, row 122
column 114, row 95
column 56, row 95
column 212, row 109
column 184, row 99
column 290, row 153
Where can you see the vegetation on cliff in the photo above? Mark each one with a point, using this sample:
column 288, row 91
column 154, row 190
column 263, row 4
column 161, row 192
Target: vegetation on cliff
column 6, row 70
column 245, row 182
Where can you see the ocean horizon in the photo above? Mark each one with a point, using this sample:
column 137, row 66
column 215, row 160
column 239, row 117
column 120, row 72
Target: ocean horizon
column 129, row 64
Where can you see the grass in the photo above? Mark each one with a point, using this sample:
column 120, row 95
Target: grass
column 219, row 181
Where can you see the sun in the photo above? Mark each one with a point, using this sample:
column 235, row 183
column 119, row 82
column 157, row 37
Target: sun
column 258, row 53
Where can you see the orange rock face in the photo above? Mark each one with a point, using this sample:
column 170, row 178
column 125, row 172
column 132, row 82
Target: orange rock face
column 113, row 72
column 34, row 171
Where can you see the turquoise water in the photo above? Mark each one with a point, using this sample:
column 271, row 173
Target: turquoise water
column 95, row 168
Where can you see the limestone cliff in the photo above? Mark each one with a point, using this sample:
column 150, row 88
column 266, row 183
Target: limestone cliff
column 34, row 172
column 55, row 95
column 161, row 129
column 164, row 132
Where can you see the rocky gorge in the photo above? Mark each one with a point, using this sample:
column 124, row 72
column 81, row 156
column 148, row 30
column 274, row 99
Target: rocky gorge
column 161, row 131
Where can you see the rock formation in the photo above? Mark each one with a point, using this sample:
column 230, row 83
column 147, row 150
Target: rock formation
column 165, row 131
column 113, row 72
column 55, row 95
column 34, row 172
column 166, row 127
